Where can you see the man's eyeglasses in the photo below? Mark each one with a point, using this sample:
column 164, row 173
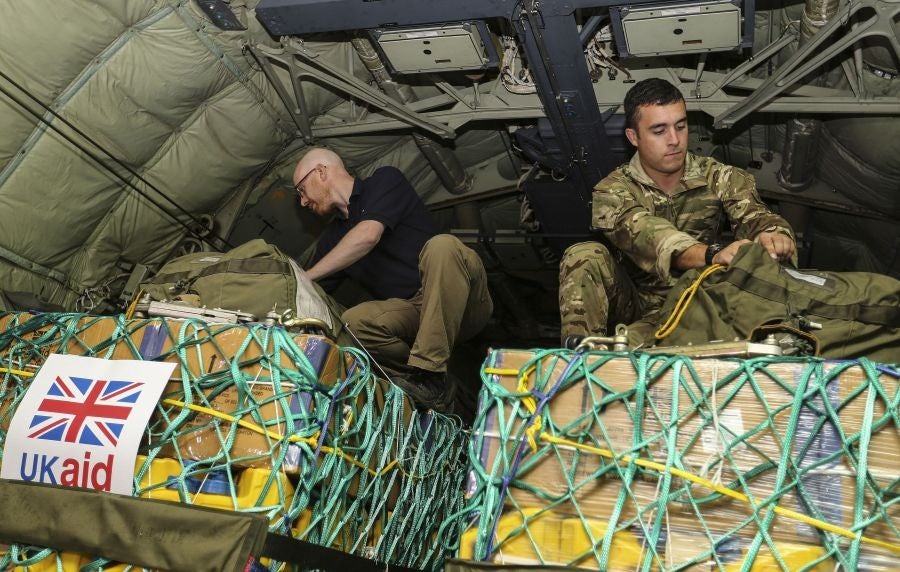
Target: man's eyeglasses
column 299, row 186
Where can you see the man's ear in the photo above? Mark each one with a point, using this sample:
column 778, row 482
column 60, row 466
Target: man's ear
column 632, row 135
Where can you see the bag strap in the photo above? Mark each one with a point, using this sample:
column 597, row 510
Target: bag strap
column 238, row 266
column 312, row 556
column 868, row 314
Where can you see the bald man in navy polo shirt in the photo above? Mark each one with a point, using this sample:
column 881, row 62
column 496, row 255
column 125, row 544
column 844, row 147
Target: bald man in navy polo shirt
column 430, row 290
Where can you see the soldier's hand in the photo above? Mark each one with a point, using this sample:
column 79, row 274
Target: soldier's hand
column 779, row 246
column 727, row 254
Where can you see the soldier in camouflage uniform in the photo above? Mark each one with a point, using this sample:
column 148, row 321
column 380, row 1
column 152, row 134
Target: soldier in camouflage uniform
column 662, row 213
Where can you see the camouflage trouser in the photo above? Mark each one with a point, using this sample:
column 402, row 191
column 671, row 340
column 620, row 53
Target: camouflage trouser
column 594, row 291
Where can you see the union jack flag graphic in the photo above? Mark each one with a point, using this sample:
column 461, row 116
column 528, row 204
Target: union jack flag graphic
column 86, row 411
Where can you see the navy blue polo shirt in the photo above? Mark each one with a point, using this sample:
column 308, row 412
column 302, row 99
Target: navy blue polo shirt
column 391, row 269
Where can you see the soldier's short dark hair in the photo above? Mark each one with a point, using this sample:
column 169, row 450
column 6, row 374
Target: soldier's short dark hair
column 653, row 91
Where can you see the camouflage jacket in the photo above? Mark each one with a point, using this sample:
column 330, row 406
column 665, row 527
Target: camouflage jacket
column 650, row 227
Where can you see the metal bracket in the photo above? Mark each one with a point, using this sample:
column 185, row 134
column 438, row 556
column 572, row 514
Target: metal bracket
column 811, row 55
column 741, row 349
column 150, row 308
column 618, row 342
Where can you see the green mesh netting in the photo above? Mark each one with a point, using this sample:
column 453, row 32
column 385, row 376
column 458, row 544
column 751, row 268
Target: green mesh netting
column 639, row 462
column 262, row 420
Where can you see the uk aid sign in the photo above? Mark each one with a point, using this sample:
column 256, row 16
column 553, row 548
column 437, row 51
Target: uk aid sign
column 81, row 421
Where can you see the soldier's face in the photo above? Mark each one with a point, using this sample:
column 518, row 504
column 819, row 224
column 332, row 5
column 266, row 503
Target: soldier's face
column 661, row 137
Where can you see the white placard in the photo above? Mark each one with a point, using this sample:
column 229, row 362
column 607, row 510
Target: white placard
column 81, row 420
column 811, row 278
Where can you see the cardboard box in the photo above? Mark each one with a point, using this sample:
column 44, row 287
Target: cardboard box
column 32, row 337
column 551, row 539
column 306, row 388
column 208, row 348
column 202, row 436
column 856, row 389
column 228, row 372
column 534, row 536
column 726, row 427
column 366, row 438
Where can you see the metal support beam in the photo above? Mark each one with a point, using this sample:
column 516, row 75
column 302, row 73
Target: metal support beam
column 557, row 64
column 851, row 76
column 295, row 107
column 461, row 114
column 814, row 105
column 701, row 65
column 297, row 17
column 457, row 117
column 752, row 63
column 453, row 92
column 306, row 64
column 815, row 53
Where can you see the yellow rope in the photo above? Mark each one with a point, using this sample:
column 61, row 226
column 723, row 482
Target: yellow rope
column 684, row 300
column 133, row 305
column 498, row 371
column 528, row 401
column 311, row 441
column 16, row 372
column 660, row 468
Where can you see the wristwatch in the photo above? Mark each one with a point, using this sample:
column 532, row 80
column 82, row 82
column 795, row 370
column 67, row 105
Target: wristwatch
column 711, row 251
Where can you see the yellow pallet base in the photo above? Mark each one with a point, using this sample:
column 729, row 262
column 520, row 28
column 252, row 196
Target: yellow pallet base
column 248, row 487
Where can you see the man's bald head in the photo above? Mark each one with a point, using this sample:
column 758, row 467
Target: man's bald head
column 318, row 156
column 322, row 182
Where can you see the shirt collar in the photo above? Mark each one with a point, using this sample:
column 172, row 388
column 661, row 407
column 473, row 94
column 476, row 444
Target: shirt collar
column 692, row 178
column 694, row 174
column 357, row 188
column 637, row 172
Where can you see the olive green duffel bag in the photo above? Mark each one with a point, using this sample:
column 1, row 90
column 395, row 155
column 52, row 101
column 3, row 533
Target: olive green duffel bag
column 255, row 278
column 844, row 314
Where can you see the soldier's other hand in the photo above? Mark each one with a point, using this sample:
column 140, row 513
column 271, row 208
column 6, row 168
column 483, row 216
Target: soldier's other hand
column 727, row 254
column 779, row 246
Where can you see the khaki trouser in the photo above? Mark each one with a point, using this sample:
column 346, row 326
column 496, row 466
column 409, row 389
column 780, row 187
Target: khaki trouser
column 596, row 292
column 453, row 305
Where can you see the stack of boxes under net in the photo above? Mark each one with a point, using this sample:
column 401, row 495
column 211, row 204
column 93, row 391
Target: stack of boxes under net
column 261, row 420
column 641, row 462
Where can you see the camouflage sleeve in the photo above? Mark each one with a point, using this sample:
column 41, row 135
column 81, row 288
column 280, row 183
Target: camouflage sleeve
column 649, row 241
column 748, row 214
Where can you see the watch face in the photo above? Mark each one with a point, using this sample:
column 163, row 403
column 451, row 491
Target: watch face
column 711, row 251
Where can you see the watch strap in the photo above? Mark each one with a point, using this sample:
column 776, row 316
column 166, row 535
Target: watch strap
column 711, row 251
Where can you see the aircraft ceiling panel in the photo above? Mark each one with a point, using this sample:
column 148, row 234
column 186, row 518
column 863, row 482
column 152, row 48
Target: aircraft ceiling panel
column 47, row 58
column 162, row 98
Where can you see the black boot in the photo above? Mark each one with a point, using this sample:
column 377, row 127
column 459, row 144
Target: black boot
column 428, row 389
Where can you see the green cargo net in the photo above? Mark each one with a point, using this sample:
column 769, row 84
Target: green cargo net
column 261, row 420
column 618, row 461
